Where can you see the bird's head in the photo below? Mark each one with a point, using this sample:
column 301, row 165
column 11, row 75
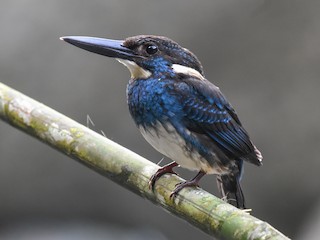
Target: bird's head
column 144, row 55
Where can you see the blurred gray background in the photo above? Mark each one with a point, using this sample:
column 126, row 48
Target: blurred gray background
column 263, row 54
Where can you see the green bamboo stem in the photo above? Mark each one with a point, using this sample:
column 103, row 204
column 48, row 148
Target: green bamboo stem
column 194, row 205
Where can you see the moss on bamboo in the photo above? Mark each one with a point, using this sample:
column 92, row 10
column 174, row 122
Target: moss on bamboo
column 196, row 206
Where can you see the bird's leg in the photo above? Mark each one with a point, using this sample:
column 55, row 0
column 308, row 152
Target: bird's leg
column 193, row 182
column 163, row 170
column 221, row 190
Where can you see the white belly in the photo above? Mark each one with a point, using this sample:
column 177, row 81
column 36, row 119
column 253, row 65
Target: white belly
column 174, row 146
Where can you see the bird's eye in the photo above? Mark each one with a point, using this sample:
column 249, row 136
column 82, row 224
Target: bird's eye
column 151, row 49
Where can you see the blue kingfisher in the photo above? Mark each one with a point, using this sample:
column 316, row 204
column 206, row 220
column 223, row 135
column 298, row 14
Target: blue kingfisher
column 179, row 112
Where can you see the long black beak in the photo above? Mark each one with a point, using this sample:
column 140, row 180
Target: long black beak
column 106, row 47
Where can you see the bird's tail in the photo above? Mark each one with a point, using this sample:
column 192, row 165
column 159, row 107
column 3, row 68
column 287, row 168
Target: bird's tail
column 230, row 189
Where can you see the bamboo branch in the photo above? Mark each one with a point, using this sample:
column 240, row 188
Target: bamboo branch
column 194, row 205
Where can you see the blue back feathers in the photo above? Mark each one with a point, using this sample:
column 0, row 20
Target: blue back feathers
column 194, row 105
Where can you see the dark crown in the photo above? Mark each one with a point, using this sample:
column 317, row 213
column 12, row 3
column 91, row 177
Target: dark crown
column 149, row 47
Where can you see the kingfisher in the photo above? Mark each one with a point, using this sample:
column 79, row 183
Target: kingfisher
column 179, row 112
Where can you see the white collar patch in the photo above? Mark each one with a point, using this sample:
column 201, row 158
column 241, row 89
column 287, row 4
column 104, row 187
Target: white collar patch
column 177, row 68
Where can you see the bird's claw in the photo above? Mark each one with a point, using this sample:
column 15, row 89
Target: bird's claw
column 161, row 171
column 182, row 185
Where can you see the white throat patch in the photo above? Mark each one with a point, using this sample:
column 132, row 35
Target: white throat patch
column 136, row 71
column 187, row 70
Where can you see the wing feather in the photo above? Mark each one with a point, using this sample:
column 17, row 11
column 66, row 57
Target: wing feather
column 207, row 111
